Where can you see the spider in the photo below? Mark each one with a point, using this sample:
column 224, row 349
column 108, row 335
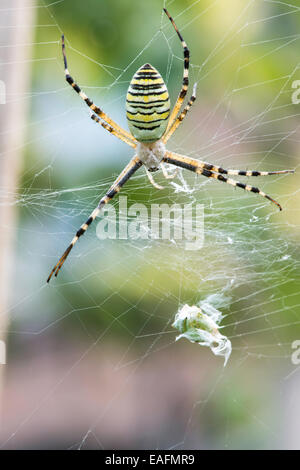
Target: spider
column 151, row 125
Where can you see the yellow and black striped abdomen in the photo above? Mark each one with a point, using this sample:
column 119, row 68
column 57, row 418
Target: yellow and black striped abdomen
column 147, row 105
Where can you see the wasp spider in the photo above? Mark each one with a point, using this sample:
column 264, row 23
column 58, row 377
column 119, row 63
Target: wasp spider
column 151, row 125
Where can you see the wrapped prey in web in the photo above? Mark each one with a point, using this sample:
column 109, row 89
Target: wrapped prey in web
column 201, row 325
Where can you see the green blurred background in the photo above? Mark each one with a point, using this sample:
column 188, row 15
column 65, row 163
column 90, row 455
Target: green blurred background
column 92, row 360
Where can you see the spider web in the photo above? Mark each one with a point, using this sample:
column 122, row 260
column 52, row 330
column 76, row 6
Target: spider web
column 93, row 359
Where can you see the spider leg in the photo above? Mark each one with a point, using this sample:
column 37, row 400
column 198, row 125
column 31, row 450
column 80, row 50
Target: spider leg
column 185, row 82
column 166, row 174
column 219, row 169
column 128, row 171
column 112, row 130
column 201, row 168
column 181, row 116
column 119, row 131
column 151, row 179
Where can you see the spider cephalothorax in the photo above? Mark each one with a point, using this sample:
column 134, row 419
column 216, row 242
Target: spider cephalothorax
column 151, row 154
column 151, row 125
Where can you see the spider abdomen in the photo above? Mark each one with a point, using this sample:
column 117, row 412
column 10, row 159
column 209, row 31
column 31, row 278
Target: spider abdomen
column 147, row 105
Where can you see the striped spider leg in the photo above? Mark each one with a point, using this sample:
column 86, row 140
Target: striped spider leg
column 128, row 171
column 113, row 131
column 104, row 120
column 206, row 169
column 217, row 172
column 181, row 116
column 185, row 81
column 175, row 119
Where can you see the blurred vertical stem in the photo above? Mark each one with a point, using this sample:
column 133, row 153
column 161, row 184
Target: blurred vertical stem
column 16, row 31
